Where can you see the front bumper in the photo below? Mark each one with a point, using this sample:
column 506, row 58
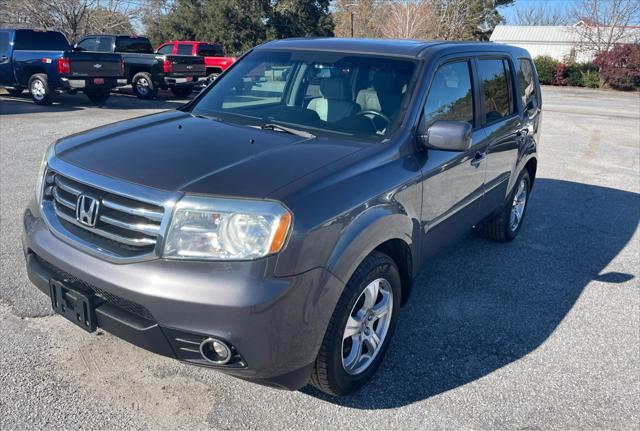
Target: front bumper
column 276, row 324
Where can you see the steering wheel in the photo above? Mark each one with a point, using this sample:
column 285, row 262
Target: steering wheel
column 375, row 114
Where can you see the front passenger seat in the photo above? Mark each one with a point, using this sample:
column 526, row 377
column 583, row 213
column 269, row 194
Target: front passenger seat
column 335, row 103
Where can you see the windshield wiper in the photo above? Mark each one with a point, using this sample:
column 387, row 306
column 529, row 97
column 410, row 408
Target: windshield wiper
column 278, row 128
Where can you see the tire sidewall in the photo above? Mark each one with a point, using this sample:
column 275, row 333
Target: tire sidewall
column 38, row 77
column 152, row 89
column 347, row 382
column 513, row 233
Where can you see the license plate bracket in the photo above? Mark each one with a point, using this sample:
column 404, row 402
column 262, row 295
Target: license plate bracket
column 76, row 306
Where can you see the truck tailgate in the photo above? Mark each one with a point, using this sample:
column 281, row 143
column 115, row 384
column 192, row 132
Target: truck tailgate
column 185, row 65
column 94, row 64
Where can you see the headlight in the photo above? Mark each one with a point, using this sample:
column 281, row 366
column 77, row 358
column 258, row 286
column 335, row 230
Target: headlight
column 226, row 229
column 50, row 151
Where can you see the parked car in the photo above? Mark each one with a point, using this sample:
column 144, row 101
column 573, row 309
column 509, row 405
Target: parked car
column 214, row 59
column 272, row 227
column 44, row 63
column 145, row 70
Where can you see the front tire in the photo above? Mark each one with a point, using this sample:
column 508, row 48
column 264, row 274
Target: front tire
column 182, row 90
column 360, row 328
column 98, row 95
column 507, row 224
column 39, row 89
column 143, row 86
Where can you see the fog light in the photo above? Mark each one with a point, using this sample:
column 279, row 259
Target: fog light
column 215, row 351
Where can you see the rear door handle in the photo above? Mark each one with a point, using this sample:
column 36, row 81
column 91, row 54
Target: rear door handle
column 478, row 158
column 4, row 59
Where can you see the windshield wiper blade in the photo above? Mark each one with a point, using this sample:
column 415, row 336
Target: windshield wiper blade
column 278, row 128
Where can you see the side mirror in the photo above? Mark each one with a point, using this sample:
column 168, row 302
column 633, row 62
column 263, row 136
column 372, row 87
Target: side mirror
column 446, row 135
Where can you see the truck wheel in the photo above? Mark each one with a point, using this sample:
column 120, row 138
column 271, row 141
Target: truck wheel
column 505, row 226
column 360, row 328
column 39, row 89
column 16, row 91
column 182, row 90
column 143, row 86
column 98, row 95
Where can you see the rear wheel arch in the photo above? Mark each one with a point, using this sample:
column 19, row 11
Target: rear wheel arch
column 532, row 167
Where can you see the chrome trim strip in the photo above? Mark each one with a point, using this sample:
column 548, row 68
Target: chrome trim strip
column 66, row 186
column 147, row 229
column 182, row 340
column 142, row 212
column 67, row 203
column 141, row 242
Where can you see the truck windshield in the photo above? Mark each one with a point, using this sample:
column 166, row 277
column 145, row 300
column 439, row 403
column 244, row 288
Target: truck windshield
column 139, row 45
column 40, row 41
column 319, row 92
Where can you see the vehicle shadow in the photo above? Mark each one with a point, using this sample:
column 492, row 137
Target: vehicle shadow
column 483, row 305
column 122, row 99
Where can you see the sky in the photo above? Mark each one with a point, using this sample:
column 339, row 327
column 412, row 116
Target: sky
column 509, row 12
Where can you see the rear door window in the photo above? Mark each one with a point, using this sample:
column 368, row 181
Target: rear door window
column 210, row 50
column 4, row 41
column 29, row 40
column 166, row 49
column 451, row 95
column 185, row 49
column 138, row 45
column 496, row 89
column 88, row 44
column 528, row 91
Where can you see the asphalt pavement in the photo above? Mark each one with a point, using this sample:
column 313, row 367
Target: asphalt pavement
column 543, row 332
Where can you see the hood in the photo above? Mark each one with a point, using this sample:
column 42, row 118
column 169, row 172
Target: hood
column 175, row 151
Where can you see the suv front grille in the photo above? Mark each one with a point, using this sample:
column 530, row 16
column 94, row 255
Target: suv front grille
column 123, row 226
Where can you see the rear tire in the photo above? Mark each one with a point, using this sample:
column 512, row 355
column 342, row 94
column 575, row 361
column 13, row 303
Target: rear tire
column 182, row 90
column 356, row 321
column 143, row 86
column 39, row 89
column 98, row 95
column 507, row 224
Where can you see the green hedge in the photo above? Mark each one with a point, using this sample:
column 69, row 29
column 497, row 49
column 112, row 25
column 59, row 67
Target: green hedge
column 552, row 72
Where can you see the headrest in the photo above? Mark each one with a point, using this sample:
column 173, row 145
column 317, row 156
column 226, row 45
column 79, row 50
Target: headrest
column 385, row 82
column 335, row 88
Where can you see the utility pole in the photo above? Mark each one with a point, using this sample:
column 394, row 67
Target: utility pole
column 351, row 23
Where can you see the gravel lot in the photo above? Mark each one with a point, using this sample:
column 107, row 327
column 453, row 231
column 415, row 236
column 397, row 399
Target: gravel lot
column 543, row 332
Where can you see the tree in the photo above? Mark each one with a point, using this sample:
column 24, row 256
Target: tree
column 408, row 19
column 296, row 18
column 540, row 14
column 73, row 18
column 466, row 19
column 603, row 24
column 367, row 17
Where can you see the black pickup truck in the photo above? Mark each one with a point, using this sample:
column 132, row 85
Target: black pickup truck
column 145, row 70
column 44, row 63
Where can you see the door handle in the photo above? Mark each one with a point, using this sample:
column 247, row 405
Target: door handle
column 478, row 158
column 4, row 59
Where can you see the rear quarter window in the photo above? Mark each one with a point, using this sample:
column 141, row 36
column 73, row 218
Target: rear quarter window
column 528, row 91
column 28, row 40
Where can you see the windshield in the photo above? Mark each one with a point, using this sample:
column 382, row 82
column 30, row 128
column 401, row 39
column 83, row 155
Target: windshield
column 317, row 92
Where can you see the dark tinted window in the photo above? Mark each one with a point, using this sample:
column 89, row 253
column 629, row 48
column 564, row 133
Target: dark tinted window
column 86, row 44
column 4, row 41
column 40, row 41
column 496, row 87
column 185, row 49
column 105, row 44
column 167, row 49
column 140, row 45
column 450, row 96
column 527, row 85
column 210, row 50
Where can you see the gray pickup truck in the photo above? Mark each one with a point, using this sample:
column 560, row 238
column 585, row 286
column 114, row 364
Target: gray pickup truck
column 272, row 227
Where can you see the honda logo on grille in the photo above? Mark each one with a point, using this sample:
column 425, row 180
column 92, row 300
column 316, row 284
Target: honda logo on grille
column 87, row 208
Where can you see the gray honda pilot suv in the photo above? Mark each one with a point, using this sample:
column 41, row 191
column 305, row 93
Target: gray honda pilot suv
column 272, row 227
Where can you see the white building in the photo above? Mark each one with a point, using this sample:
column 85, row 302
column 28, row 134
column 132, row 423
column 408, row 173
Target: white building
column 559, row 42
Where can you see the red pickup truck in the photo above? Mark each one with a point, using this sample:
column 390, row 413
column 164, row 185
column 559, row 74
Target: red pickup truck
column 214, row 58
